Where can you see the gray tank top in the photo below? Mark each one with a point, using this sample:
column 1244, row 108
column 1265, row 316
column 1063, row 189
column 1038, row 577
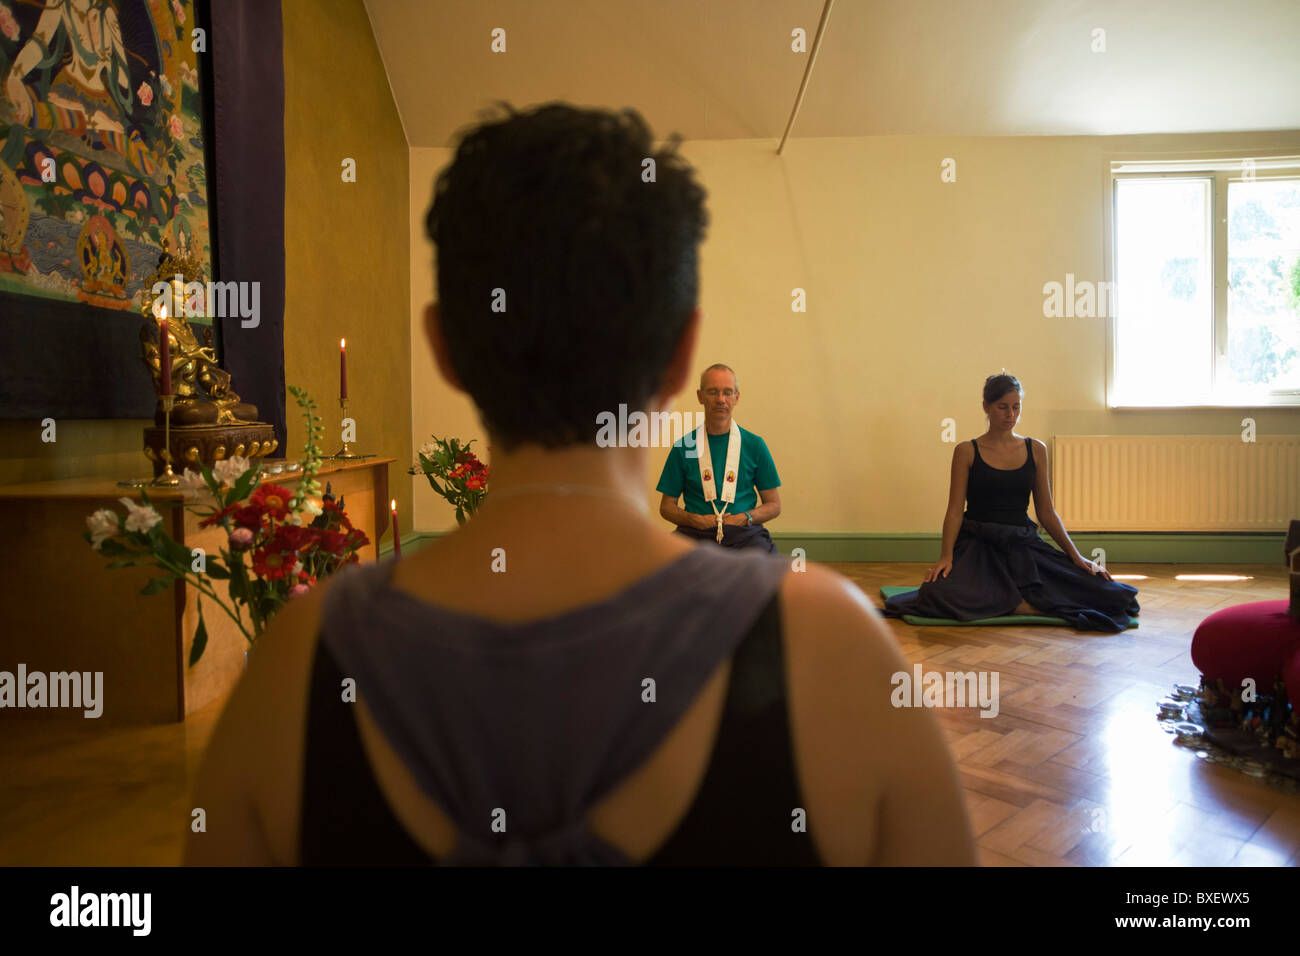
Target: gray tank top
column 540, row 719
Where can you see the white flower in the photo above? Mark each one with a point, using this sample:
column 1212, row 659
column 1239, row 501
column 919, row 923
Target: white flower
column 139, row 517
column 427, row 449
column 294, row 518
column 228, row 470
column 193, row 485
column 312, row 508
column 103, row 524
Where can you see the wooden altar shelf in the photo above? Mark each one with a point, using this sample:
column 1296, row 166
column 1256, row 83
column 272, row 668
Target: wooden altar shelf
column 66, row 611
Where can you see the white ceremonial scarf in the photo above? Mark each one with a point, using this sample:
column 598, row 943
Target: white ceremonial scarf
column 730, row 477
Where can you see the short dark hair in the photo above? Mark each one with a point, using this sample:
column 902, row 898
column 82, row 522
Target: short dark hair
column 599, row 268
column 995, row 386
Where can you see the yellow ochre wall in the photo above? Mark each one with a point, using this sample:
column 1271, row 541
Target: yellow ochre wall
column 347, row 267
column 916, row 291
column 346, row 262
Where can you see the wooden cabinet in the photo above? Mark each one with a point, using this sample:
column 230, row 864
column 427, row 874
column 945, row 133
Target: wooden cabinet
column 64, row 610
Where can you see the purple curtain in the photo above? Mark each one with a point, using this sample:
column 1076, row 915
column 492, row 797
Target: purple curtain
column 247, row 176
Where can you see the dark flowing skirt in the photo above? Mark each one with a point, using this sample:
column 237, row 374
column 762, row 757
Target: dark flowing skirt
column 734, row 536
column 996, row 566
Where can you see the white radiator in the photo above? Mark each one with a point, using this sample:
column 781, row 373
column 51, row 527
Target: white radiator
column 1176, row 482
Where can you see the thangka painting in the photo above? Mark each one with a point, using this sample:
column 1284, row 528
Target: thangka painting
column 101, row 148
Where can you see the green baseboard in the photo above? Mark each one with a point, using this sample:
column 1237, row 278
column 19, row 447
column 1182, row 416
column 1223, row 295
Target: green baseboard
column 1120, row 547
column 411, row 542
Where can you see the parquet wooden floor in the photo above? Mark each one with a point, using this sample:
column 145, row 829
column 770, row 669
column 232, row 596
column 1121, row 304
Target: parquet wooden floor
column 1074, row 769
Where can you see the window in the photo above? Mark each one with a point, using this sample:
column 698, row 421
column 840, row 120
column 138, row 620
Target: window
column 1205, row 283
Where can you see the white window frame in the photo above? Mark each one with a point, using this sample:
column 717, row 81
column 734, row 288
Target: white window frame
column 1221, row 171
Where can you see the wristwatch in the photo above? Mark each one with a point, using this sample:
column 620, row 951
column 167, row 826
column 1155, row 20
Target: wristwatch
column 748, row 520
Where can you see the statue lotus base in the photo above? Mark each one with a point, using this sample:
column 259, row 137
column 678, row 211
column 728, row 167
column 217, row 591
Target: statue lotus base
column 192, row 445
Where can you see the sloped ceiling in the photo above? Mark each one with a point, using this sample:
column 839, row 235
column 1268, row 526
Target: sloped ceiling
column 723, row 69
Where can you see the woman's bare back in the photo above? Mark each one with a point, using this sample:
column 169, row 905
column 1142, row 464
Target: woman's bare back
column 878, row 782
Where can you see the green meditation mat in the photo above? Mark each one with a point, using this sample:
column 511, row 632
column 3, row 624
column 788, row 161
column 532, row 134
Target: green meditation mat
column 890, row 590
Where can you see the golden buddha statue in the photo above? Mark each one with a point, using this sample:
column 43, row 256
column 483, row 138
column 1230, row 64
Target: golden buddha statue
column 201, row 386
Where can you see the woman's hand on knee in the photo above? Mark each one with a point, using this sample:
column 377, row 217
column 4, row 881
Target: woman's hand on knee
column 1093, row 567
column 940, row 569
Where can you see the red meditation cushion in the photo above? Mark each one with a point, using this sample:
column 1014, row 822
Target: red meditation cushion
column 1250, row 640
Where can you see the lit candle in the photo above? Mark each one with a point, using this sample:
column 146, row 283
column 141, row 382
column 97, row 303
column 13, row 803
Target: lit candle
column 164, row 354
column 397, row 535
column 343, row 369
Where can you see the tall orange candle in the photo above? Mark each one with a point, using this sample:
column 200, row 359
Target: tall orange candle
column 164, row 355
column 343, row 369
column 397, row 535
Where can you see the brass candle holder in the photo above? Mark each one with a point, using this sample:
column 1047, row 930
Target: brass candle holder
column 346, row 453
column 168, row 478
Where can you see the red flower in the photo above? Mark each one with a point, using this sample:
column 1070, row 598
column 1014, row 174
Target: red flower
column 272, row 499
column 333, row 510
column 278, row 556
column 273, row 565
column 471, row 470
column 335, row 542
column 248, row 516
column 212, row 519
column 291, row 538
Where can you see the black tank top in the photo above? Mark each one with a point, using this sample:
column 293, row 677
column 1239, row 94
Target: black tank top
column 1000, row 495
column 741, row 815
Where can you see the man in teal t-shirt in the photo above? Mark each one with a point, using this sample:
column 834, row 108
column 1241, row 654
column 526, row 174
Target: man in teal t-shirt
column 756, row 498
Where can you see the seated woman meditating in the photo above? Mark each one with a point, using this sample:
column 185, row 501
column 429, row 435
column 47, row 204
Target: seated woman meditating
column 992, row 561
column 558, row 681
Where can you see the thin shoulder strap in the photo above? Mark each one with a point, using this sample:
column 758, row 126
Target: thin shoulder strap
column 745, row 807
column 344, row 818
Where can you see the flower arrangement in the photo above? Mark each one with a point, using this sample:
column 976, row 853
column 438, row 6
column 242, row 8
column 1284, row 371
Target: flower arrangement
column 278, row 543
column 455, row 473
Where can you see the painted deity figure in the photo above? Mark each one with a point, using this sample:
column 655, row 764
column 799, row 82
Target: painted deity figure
column 95, row 85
